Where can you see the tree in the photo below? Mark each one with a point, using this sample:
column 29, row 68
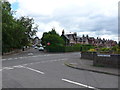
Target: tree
column 16, row 33
column 119, row 43
column 7, row 25
column 29, row 30
column 53, row 38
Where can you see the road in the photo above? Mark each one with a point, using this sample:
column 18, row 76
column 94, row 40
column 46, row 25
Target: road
column 35, row 69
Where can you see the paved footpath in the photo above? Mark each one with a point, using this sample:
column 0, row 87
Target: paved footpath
column 83, row 64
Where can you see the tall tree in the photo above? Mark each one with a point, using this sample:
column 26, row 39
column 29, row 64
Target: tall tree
column 29, row 30
column 52, row 37
column 16, row 33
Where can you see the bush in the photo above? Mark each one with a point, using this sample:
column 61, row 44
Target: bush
column 55, row 48
column 85, row 48
column 74, row 48
column 118, row 51
column 91, row 50
column 105, row 49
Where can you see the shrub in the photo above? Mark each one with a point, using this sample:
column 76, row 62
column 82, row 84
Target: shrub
column 105, row 49
column 74, row 48
column 55, row 48
column 92, row 50
column 85, row 48
column 118, row 51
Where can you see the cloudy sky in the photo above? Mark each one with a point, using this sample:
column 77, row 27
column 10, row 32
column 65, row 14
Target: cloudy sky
column 97, row 18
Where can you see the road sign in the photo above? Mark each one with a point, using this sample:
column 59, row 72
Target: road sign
column 48, row 43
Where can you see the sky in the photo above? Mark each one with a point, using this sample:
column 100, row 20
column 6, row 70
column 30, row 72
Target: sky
column 97, row 18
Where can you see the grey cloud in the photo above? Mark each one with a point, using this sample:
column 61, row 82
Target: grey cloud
column 92, row 23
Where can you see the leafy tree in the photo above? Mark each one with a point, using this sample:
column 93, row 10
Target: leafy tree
column 28, row 30
column 119, row 44
column 7, row 20
column 52, row 37
column 16, row 33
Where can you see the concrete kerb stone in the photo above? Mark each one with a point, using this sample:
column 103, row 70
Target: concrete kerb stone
column 86, row 69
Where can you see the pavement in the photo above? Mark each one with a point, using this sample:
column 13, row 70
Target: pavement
column 84, row 64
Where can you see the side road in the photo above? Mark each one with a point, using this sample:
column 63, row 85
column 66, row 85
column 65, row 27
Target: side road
column 15, row 52
column 77, row 63
column 83, row 64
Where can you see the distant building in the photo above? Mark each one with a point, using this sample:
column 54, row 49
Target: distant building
column 72, row 38
column 36, row 41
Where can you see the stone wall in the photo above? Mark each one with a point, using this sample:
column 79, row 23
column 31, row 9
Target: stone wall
column 102, row 59
column 107, row 60
column 88, row 55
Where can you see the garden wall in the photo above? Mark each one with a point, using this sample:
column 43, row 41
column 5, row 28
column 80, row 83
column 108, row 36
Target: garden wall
column 107, row 60
column 102, row 59
column 88, row 55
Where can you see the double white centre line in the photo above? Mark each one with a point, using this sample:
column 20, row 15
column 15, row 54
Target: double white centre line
column 80, row 84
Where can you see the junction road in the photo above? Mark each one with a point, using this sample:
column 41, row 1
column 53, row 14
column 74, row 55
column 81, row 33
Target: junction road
column 35, row 69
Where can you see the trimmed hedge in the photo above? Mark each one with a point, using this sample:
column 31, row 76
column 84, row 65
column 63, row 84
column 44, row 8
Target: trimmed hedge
column 52, row 48
column 77, row 47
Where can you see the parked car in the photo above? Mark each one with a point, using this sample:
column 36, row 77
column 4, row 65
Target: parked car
column 35, row 47
column 41, row 49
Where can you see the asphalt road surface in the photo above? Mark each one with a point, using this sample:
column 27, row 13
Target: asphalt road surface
column 35, row 69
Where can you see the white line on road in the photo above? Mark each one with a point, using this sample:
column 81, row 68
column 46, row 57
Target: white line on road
column 20, row 57
column 8, row 68
column 4, row 59
column 30, row 55
column 80, row 84
column 34, row 56
column 23, row 65
column 35, row 70
column 18, row 66
column 9, row 58
column 15, row 58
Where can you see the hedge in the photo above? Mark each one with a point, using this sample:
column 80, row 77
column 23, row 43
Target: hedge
column 77, row 47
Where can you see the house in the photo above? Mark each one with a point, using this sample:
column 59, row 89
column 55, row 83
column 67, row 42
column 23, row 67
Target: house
column 72, row 38
column 36, row 41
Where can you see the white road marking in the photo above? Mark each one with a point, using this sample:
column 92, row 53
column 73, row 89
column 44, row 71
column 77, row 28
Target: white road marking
column 15, row 58
column 7, row 68
column 31, row 63
column 23, row 65
column 29, row 56
column 34, row 56
column 34, row 70
column 9, row 59
column 4, row 59
column 18, row 66
column 30, row 53
column 80, row 84
column 20, row 57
